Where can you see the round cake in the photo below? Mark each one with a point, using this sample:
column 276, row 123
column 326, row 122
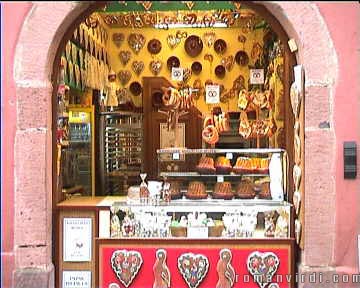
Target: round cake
column 175, row 191
column 264, row 188
column 244, row 190
column 223, row 165
column 206, row 166
column 196, row 190
column 223, row 190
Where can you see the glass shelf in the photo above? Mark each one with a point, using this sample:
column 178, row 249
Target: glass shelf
column 217, row 151
column 196, row 174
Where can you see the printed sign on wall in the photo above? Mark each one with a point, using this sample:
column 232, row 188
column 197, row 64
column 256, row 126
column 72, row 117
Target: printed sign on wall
column 77, row 239
column 76, row 279
column 212, row 94
column 177, row 74
column 256, row 76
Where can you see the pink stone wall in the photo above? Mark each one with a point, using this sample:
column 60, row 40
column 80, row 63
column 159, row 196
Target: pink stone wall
column 343, row 23
column 328, row 41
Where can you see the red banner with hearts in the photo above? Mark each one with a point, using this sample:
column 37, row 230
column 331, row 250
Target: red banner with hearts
column 194, row 267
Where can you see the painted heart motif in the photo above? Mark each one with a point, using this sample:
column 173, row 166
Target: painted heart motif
column 187, row 75
column 193, row 268
column 262, row 266
column 189, row 4
column 146, row 4
column 124, row 56
column 124, row 76
column 138, row 67
column 136, row 42
column 172, row 41
column 126, row 265
column 118, row 38
column 155, row 67
column 274, row 285
column 295, row 99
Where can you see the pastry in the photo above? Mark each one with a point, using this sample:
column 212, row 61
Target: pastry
column 251, row 165
column 263, row 190
column 244, row 127
column 223, row 190
column 242, row 165
column 206, row 166
column 175, row 191
column 223, row 165
column 210, row 134
column 196, row 190
column 244, row 190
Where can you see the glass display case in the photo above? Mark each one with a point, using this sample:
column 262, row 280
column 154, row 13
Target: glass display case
column 205, row 193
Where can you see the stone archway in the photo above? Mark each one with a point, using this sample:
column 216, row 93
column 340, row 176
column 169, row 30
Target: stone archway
column 34, row 60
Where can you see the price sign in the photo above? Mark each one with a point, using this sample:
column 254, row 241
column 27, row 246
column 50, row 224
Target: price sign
column 256, row 76
column 176, row 156
column 177, row 74
column 76, row 279
column 197, row 232
column 220, row 179
column 229, row 156
column 212, row 94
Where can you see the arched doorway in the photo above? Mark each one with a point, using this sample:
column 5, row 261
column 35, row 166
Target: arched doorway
column 77, row 11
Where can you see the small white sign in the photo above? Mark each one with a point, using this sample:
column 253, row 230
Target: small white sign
column 299, row 77
column 212, row 94
column 197, row 232
column 104, row 224
column 256, row 76
column 77, row 239
column 359, row 251
column 220, row 179
column 229, row 156
column 176, row 156
column 76, row 279
column 177, row 74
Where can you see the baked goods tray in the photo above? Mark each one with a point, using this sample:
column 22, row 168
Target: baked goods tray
column 196, row 174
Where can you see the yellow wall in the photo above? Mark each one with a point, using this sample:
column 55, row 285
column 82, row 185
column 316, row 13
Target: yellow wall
column 230, row 35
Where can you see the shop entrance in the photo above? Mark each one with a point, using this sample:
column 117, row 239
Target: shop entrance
column 175, row 92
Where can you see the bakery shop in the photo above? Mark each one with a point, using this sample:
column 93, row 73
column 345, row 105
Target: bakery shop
column 178, row 163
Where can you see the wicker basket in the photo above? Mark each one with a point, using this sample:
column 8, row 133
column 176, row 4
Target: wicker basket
column 216, row 231
column 177, row 231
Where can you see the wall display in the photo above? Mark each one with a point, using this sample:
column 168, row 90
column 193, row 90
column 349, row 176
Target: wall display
column 226, row 272
column 220, row 71
column 209, row 38
column 126, row 265
column 138, row 67
column 196, row 67
column 76, row 279
column 77, row 239
column 171, row 62
column 172, row 41
column 220, row 46
column 124, row 56
column 263, row 266
column 228, row 62
column 154, row 46
column 193, row 268
column 161, row 270
column 155, row 67
column 193, row 45
column 124, row 76
column 136, row 42
column 135, row 88
column 242, row 58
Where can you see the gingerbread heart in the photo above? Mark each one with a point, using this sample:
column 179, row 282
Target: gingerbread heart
column 126, row 265
column 136, row 42
column 124, row 76
column 155, row 67
column 118, row 38
column 193, row 268
column 228, row 62
column 262, row 266
column 209, row 38
column 124, row 56
column 138, row 67
column 172, row 41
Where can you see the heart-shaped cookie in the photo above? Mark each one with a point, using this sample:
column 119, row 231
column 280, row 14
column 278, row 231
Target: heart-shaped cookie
column 124, row 76
column 138, row 67
column 124, row 56
column 193, row 268
column 136, row 42
column 295, row 99
column 209, row 38
column 118, row 38
column 172, row 41
column 228, row 62
column 262, row 266
column 155, row 66
column 126, row 265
